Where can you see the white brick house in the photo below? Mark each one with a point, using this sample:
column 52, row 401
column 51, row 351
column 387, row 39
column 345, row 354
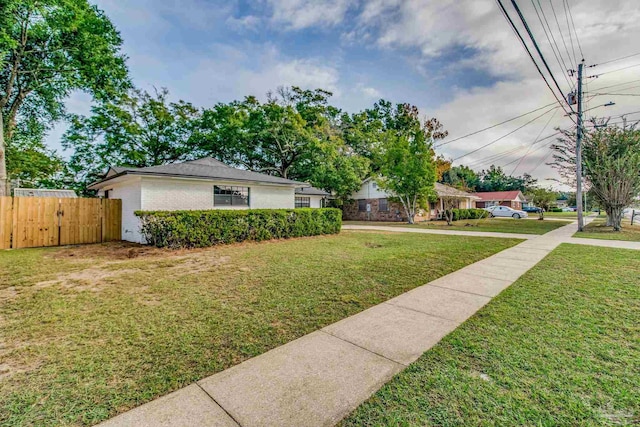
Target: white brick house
column 198, row 185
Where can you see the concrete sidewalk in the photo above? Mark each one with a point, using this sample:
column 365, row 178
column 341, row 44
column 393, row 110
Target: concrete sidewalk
column 620, row 244
column 318, row 379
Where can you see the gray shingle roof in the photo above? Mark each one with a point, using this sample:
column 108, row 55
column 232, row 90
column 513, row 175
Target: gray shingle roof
column 447, row 191
column 311, row 191
column 44, row 192
column 205, row 168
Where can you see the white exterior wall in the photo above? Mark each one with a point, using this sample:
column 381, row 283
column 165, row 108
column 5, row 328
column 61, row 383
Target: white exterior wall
column 130, row 193
column 315, row 201
column 171, row 194
column 370, row 190
column 271, row 197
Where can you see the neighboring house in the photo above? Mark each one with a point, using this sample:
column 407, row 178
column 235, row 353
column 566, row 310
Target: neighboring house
column 194, row 185
column 371, row 203
column 44, row 192
column 514, row 199
column 562, row 203
column 311, row 197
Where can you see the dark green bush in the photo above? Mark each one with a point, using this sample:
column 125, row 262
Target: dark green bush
column 459, row 214
column 197, row 229
column 555, row 210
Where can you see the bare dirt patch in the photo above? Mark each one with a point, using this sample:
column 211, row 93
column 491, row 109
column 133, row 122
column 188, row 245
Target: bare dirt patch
column 118, row 251
column 87, row 279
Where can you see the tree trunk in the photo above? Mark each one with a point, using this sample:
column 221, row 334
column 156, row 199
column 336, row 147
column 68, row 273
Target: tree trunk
column 616, row 219
column 609, row 213
column 407, row 210
column 3, row 162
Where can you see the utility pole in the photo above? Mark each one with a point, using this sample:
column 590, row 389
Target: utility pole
column 579, row 151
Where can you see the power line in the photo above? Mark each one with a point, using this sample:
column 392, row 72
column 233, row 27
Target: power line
column 541, row 162
column 499, row 156
column 522, row 158
column 560, row 30
column 560, row 59
column 493, row 126
column 535, row 44
column 574, row 29
column 566, row 15
column 617, row 94
column 515, row 30
column 534, row 142
column 616, row 85
column 617, row 59
column 619, row 90
column 505, row 135
column 615, row 71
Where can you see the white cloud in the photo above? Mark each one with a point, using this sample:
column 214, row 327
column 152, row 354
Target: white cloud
column 234, row 79
column 300, row 14
column 369, row 92
column 429, row 30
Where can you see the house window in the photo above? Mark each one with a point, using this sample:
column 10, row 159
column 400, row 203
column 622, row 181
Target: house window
column 362, row 205
column 383, row 205
column 303, row 202
column 226, row 195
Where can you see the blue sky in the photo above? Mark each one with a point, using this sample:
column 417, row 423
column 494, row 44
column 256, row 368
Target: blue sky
column 455, row 59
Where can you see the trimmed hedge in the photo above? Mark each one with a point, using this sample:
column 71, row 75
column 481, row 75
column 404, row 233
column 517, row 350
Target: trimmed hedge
column 198, row 229
column 469, row 214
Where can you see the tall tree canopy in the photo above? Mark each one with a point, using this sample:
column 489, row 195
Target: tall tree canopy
column 406, row 165
column 492, row 179
column 611, row 159
column 295, row 134
column 49, row 48
column 138, row 129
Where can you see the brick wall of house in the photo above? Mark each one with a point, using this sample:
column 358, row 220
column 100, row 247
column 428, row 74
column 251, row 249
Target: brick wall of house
column 395, row 213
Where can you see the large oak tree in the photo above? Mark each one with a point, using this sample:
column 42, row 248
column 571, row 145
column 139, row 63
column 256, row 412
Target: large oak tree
column 48, row 49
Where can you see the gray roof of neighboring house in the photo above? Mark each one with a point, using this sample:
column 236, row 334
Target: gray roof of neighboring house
column 447, row 191
column 312, row 191
column 205, row 168
column 44, row 192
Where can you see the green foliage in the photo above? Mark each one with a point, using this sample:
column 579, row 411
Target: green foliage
column 406, row 162
column 196, row 229
column 611, row 159
column 495, row 179
column 459, row 214
column 542, row 197
column 555, row 210
column 461, row 177
column 30, row 163
column 492, row 179
column 48, row 49
column 295, row 134
column 138, row 129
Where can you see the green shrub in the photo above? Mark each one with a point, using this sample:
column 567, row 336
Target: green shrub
column 555, row 210
column 459, row 214
column 197, row 229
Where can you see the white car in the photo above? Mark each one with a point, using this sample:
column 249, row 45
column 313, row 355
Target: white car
column 505, row 211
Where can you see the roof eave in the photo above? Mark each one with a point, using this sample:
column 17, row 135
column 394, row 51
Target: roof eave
column 207, row 178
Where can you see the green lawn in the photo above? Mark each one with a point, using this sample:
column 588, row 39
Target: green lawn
column 560, row 347
column 92, row 331
column 568, row 215
column 598, row 230
column 503, row 225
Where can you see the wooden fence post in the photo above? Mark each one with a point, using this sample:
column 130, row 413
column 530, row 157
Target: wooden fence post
column 6, row 221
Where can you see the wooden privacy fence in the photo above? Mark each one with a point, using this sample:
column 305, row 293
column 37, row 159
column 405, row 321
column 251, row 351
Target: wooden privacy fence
column 29, row 222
